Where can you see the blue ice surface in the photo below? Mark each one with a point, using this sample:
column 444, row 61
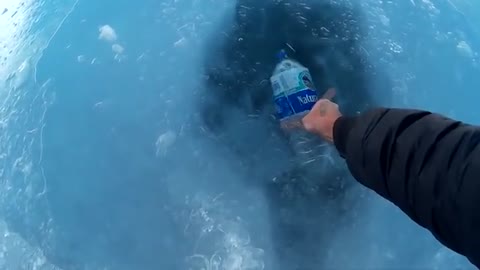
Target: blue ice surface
column 103, row 168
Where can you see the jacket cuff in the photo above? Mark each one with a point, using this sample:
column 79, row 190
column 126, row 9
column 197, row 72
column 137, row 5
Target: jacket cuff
column 341, row 130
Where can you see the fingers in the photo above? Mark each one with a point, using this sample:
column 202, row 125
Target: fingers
column 330, row 94
column 305, row 122
column 319, row 104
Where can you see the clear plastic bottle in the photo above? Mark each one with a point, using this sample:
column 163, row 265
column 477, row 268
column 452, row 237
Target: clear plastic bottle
column 293, row 90
column 294, row 95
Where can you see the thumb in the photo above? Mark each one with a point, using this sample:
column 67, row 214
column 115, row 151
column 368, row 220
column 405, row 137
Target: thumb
column 310, row 119
column 330, row 94
column 309, row 122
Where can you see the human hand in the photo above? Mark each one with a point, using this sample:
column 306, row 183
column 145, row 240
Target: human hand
column 322, row 117
column 296, row 122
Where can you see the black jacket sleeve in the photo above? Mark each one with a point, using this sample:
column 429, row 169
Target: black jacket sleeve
column 426, row 164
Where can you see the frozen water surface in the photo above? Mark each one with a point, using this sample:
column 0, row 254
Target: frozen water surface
column 105, row 165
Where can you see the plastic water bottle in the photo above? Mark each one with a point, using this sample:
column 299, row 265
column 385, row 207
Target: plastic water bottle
column 294, row 96
column 293, row 90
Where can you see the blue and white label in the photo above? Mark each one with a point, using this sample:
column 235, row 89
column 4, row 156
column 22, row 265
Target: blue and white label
column 293, row 92
column 295, row 103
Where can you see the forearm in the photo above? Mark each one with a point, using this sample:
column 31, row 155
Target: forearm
column 426, row 164
column 386, row 147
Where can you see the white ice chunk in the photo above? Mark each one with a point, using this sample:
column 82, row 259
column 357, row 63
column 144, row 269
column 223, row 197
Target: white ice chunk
column 164, row 142
column 464, row 49
column 107, row 33
column 81, row 58
column 117, row 48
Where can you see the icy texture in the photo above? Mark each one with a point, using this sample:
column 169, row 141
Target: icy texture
column 104, row 164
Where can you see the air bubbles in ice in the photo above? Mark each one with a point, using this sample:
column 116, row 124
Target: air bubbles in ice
column 229, row 258
column 140, row 57
column 84, row 59
column 107, row 33
column 39, row 263
column 385, row 20
column 234, row 250
column 396, row 48
column 81, row 58
column 235, row 236
column 464, row 49
column 20, row 77
column 247, row 258
column 181, row 42
column 117, row 48
column 164, row 142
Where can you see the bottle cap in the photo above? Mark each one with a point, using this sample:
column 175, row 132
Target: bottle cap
column 282, row 55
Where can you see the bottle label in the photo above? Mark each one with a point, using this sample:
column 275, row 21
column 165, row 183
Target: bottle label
column 294, row 92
